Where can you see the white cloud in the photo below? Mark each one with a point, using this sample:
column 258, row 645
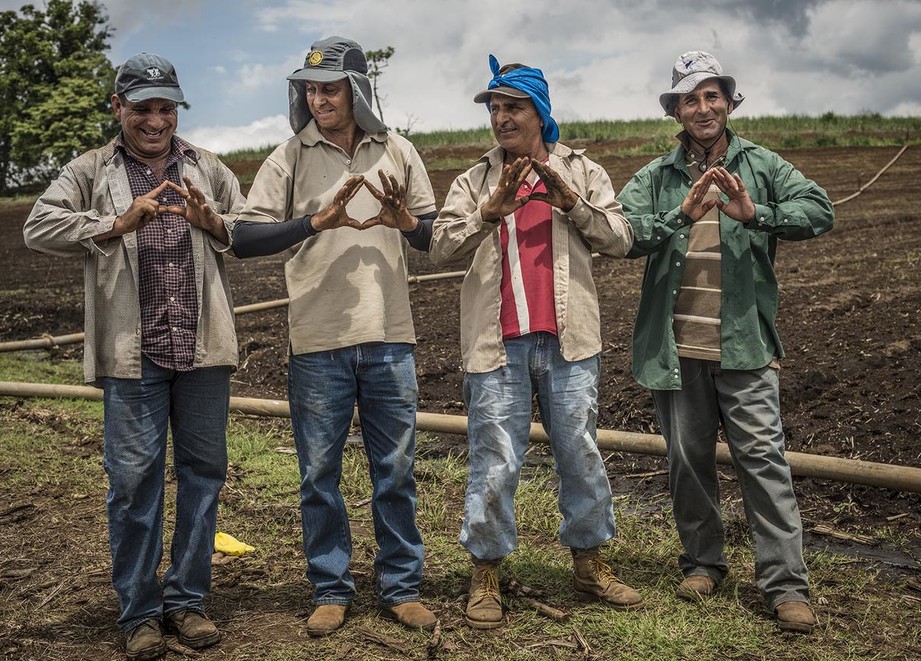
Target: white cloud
column 602, row 59
column 268, row 131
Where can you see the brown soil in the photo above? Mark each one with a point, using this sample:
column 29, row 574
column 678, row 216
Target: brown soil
column 848, row 317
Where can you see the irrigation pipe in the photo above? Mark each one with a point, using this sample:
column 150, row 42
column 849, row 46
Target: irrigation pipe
column 48, row 341
column 873, row 180
column 853, row 471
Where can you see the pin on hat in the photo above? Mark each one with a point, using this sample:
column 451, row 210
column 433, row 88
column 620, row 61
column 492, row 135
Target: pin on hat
column 689, row 71
column 148, row 76
column 330, row 59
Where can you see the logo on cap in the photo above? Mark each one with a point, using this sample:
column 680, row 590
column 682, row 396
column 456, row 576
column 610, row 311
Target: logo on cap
column 314, row 58
column 154, row 72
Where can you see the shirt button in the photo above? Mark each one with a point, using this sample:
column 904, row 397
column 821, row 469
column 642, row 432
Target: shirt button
column 677, row 263
column 170, row 265
column 674, row 292
column 681, row 236
column 175, row 329
column 172, row 299
column 348, row 161
column 676, row 370
column 169, row 231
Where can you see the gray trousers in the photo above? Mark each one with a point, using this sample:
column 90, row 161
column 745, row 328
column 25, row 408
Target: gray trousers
column 747, row 403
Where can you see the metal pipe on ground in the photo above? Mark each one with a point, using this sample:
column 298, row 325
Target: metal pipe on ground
column 853, row 471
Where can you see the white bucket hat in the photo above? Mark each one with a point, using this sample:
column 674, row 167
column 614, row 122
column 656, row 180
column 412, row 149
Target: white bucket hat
column 690, row 70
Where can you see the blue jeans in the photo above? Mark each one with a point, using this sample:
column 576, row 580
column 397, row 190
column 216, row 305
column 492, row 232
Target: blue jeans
column 137, row 414
column 323, row 387
column 498, row 424
column 747, row 402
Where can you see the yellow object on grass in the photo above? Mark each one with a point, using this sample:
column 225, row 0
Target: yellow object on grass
column 228, row 545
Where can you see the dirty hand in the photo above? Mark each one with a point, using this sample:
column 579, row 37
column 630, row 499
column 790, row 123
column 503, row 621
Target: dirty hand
column 504, row 201
column 196, row 210
column 393, row 211
column 335, row 214
column 558, row 194
column 143, row 209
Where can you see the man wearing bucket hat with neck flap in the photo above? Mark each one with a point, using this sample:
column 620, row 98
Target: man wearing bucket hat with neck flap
column 159, row 340
column 526, row 219
column 708, row 216
column 351, row 331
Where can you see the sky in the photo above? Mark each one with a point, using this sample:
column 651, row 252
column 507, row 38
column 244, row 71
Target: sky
column 603, row 59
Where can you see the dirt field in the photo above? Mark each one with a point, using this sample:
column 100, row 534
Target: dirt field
column 848, row 316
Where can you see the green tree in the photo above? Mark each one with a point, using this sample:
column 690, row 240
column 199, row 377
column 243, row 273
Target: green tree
column 377, row 62
column 55, row 84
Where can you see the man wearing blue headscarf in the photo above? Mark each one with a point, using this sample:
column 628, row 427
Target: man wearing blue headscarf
column 526, row 218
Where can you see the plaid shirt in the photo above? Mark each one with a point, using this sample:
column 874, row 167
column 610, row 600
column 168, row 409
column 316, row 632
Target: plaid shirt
column 169, row 306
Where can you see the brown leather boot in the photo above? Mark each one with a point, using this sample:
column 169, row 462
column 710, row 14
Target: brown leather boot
column 696, row 587
column 193, row 629
column 795, row 616
column 325, row 619
column 145, row 641
column 595, row 581
column 411, row 614
column 484, row 603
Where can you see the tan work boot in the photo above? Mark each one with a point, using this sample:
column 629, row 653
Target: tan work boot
column 325, row 619
column 594, row 581
column 484, row 603
column 411, row 614
column 696, row 587
column 795, row 616
column 193, row 629
column 145, row 641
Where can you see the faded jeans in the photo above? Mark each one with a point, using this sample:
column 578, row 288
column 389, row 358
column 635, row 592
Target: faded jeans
column 193, row 405
column 499, row 419
column 323, row 387
column 747, row 402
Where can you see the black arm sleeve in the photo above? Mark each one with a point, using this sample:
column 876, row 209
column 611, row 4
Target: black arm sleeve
column 421, row 237
column 255, row 239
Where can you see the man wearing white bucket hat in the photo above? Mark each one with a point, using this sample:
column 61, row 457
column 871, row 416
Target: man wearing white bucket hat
column 708, row 216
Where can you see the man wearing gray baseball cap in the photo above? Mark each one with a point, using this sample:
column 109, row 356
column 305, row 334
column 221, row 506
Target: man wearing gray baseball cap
column 160, row 342
column 708, row 216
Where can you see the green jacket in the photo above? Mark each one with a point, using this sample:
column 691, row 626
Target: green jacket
column 787, row 206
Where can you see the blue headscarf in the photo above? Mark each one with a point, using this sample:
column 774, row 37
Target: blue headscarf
column 532, row 82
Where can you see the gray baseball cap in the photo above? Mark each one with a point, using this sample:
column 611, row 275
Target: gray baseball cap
column 148, row 76
column 689, row 71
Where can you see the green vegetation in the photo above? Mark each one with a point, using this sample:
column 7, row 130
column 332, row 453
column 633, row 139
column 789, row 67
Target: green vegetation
column 55, row 82
column 656, row 136
column 50, row 452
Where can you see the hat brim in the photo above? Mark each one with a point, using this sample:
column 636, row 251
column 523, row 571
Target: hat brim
column 148, row 93
column 318, row 75
column 689, row 83
column 485, row 95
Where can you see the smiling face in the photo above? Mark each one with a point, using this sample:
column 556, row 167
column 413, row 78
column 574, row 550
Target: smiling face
column 147, row 126
column 703, row 112
column 331, row 105
column 517, row 126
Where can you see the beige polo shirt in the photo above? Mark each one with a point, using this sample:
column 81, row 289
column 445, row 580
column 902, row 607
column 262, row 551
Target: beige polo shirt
column 346, row 286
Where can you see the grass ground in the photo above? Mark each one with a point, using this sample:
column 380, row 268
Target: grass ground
column 55, row 602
